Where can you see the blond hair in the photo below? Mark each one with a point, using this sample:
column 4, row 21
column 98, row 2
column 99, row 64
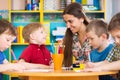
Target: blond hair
column 30, row 28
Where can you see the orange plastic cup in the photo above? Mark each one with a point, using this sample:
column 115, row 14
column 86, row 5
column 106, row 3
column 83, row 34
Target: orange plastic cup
column 57, row 60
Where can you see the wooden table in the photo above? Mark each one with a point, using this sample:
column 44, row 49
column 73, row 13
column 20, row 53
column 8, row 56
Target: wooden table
column 60, row 75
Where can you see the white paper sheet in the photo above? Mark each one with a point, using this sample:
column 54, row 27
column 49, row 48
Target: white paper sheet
column 38, row 70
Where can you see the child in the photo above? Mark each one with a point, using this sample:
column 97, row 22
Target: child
column 114, row 55
column 7, row 35
column 98, row 38
column 36, row 52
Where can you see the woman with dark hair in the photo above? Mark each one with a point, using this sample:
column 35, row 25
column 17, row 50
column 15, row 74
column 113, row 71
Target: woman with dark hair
column 75, row 40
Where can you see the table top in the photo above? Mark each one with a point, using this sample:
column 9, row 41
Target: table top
column 58, row 73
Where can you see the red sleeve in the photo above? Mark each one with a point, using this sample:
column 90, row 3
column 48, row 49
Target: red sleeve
column 26, row 54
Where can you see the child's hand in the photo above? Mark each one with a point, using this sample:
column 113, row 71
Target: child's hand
column 17, row 67
column 93, row 69
column 25, row 64
column 75, row 54
column 51, row 65
column 89, row 65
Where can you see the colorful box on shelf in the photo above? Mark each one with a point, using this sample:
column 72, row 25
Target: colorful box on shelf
column 51, row 4
column 4, row 14
column 18, row 4
column 59, row 33
column 91, row 4
column 19, row 35
column 25, row 4
column 47, row 29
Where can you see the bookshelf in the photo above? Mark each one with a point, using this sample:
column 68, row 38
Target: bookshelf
column 50, row 17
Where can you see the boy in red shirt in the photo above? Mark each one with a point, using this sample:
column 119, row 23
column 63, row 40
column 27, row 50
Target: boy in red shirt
column 36, row 52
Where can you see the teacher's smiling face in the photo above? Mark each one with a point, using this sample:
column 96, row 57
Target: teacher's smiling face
column 73, row 23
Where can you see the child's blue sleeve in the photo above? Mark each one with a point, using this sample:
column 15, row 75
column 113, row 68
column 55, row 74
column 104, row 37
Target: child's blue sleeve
column 2, row 57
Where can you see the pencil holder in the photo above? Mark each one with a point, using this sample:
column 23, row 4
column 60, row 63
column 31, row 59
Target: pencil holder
column 57, row 60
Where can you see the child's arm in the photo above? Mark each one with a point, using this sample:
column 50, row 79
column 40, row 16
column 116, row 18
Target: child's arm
column 5, row 61
column 5, row 67
column 11, row 66
column 110, row 66
column 91, row 64
column 32, row 65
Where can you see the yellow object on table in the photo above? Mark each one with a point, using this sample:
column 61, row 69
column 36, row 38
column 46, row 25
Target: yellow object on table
column 82, row 66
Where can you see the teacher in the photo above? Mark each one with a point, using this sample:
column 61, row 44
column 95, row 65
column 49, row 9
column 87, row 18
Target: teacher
column 75, row 40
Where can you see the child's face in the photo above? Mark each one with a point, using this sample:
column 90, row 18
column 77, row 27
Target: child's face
column 5, row 41
column 40, row 36
column 116, row 35
column 94, row 40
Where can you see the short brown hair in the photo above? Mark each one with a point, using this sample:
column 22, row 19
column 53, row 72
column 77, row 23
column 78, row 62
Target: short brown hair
column 115, row 22
column 28, row 29
column 99, row 26
column 6, row 26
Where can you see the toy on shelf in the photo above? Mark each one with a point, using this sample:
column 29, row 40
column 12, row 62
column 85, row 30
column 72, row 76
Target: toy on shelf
column 59, row 33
